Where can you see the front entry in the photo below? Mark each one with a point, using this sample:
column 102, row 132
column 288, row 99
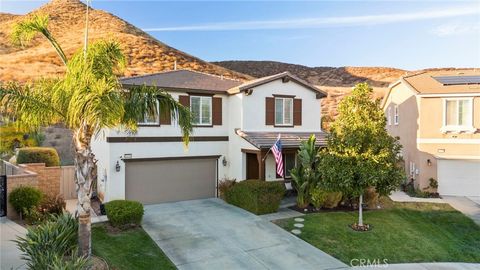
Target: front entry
column 252, row 166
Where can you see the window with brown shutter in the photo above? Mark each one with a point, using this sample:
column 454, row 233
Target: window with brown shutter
column 297, row 112
column 217, row 111
column 184, row 100
column 269, row 111
column 165, row 118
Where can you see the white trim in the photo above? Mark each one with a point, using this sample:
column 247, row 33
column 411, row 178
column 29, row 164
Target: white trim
column 468, row 127
column 451, row 95
column 389, row 116
column 447, row 141
column 458, row 157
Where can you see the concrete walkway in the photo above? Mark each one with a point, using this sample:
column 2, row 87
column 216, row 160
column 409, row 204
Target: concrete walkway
column 400, row 196
column 210, row 234
column 9, row 253
column 424, row 266
column 465, row 205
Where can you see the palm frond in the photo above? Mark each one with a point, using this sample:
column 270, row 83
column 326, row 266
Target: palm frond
column 24, row 31
column 29, row 105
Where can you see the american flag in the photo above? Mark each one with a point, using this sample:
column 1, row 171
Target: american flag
column 277, row 153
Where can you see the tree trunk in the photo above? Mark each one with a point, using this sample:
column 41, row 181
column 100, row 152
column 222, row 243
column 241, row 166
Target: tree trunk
column 84, row 174
column 360, row 210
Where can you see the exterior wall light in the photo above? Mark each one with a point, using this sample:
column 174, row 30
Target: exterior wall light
column 224, row 162
column 117, row 166
column 429, row 162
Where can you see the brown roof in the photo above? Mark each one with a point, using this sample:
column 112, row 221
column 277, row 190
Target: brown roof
column 182, row 80
column 429, row 82
column 284, row 76
column 288, row 139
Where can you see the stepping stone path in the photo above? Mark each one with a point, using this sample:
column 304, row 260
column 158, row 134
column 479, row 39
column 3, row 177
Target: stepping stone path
column 298, row 225
column 297, row 232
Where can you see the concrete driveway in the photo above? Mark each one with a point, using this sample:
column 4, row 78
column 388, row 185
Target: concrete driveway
column 470, row 206
column 9, row 253
column 210, row 234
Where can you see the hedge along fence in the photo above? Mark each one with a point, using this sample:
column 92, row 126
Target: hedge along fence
column 257, row 196
column 46, row 155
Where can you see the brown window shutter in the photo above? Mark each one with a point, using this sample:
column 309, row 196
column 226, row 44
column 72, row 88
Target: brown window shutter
column 184, row 100
column 165, row 118
column 297, row 112
column 269, row 111
column 216, row 111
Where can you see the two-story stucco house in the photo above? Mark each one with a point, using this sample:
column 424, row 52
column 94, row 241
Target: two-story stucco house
column 436, row 114
column 235, row 125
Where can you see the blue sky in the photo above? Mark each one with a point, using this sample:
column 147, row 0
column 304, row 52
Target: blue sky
column 403, row 34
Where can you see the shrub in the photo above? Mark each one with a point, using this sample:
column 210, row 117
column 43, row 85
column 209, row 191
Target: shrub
column 224, row 186
column 317, row 197
column 46, row 155
column 332, row 199
column 52, row 204
column 52, row 245
column 258, row 197
column 433, row 183
column 24, row 198
column 32, row 216
column 123, row 213
column 370, row 198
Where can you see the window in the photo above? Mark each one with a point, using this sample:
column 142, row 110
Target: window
column 389, row 116
column 151, row 117
column 201, row 108
column 457, row 114
column 396, row 116
column 283, row 111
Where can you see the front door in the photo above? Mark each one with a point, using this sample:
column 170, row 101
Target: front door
column 252, row 166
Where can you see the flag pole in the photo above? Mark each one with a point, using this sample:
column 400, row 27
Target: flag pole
column 266, row 154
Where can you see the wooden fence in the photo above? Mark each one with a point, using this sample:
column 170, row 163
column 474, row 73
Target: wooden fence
column 67, row 183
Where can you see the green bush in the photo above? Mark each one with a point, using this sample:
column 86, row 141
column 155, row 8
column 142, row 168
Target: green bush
column 25, row 198
column 332, row 199
column 123, row 213
column 256, row 196
column 370, row 198
column 52, row 245
column 46, row 155
column 224, row 186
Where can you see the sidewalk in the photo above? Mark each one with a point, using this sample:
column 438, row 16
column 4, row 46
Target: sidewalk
column 400, row 196
column 465, row 205
column 10, row 255
column 424, row 266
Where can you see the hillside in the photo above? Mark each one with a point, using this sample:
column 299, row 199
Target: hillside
column 337, row 82
column 145, row 54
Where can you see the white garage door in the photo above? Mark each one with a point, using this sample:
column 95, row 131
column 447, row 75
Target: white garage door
column 170, row 180
column 458, row 177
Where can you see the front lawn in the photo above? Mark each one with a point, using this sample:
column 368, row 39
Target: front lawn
column 403, row 232
column 131, row 249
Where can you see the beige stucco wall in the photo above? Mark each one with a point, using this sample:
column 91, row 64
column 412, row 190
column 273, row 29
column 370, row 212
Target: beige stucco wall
column 419, row 129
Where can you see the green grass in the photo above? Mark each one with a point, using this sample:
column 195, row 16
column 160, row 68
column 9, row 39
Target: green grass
column 131, row 249
column 402, row 233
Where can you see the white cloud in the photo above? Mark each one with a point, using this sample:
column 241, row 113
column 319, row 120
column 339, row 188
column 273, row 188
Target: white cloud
column 321, row 22
column 456, row 28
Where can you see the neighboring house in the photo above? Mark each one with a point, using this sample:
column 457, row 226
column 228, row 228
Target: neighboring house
column 235, row 125
column 436, row 114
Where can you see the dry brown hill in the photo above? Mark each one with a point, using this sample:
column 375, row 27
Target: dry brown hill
column 337, row 82
column 145, row 54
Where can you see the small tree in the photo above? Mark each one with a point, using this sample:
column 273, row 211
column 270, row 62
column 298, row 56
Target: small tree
column 360, row 152
column 306, row 175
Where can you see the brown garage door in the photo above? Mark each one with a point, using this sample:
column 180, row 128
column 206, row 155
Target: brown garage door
column 170, row 180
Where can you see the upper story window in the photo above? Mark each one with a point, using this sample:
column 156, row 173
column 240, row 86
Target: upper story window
column 283, row 111
column 151, row 117
column 201, row 107
column 389, row 116
column 396, row 116
column 458, row 114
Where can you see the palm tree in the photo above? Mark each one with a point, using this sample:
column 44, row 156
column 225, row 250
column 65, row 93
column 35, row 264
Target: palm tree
column 87, row 99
